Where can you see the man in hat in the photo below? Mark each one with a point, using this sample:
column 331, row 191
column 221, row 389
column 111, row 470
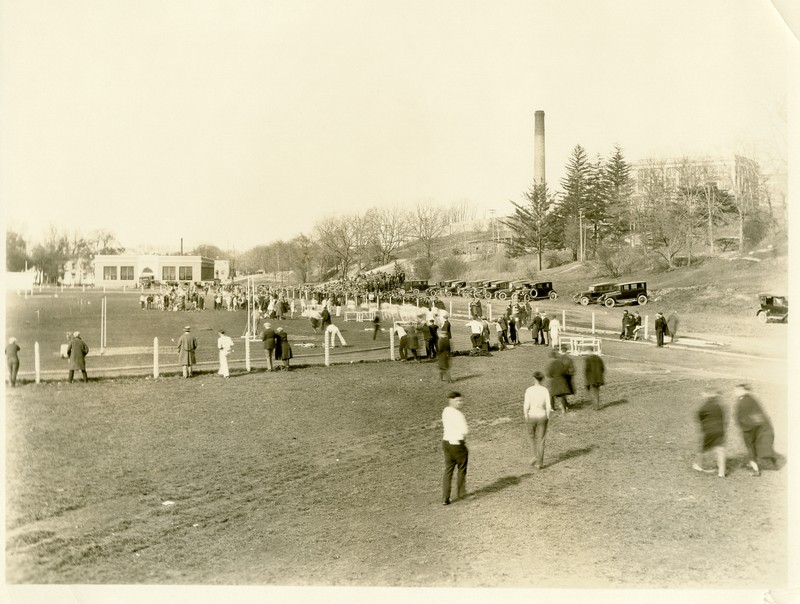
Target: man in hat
column 268, row 338
column 711, row 419
column 756, row 429
column 12, row 360
column 187, row 345
column 77, row 351
column 661, row 329
column 545, row 332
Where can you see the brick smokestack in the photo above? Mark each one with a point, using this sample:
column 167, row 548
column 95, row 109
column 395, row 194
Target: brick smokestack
column 538, row 148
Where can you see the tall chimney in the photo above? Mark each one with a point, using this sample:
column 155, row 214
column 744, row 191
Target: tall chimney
column 538, row 148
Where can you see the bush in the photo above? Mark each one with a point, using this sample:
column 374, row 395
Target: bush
column 619, row 261
column 452, row 267
column 423, row 267
column 554, row 259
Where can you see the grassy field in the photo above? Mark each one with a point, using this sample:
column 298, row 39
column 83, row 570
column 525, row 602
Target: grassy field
column 331, row 476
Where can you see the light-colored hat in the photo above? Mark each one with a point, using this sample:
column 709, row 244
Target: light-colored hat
column 76, row 334
column 12, row 340
column 187, row 328
column 267, row 324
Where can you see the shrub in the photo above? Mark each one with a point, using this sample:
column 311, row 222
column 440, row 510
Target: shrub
column 554, row 259
column 619, row 261
column 451, row 267
column 423, row 267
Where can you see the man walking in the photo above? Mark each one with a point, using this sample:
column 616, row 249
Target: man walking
column 756, row 429
column 187, row 345
column 77, row 351
column 536, row 411
column 455, row 447
column 12, row 360
column 594, row 376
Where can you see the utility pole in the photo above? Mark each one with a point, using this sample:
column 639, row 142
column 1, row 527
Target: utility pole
column 580, row 235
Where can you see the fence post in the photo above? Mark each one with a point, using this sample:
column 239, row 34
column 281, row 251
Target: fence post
column 592, row 322
column 490, row 310
column 247, row 352
column 327, row 348
column 646, row 325
column 155, row 359
column 37, row 366
column 451, row 308
column 563, row 319
column 391, row 344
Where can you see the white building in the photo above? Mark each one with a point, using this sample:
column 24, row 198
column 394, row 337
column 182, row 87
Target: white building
column 127, row 269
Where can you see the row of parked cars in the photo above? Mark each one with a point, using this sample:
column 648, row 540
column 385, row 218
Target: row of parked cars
column 522, row 289
column 610, row 294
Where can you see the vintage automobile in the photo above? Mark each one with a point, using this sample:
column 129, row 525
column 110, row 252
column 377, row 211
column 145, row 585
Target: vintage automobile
column 472, row 289
column 493, row 287
column 415, row 287
column 773, row 308
column 452, row 287
column 541, row 290
column 633, row 292
column 594, row 292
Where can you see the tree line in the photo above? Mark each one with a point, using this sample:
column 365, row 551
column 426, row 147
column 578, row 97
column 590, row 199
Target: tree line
column 668, row 209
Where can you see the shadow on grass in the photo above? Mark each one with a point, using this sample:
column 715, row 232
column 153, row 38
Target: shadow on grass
column 462, row 378
column 567, row 455
column 740, row 463
column 622, row 401
column 497, row 485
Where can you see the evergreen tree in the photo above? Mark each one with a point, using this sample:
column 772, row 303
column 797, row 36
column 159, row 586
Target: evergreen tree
column 531, row 223
column 619, row 187
column 574, row 200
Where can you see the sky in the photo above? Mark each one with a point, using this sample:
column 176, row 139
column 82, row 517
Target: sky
column 239, row 123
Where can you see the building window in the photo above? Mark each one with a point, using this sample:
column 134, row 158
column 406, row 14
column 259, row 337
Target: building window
column 126, row 273
column 185, row 273
column 168, row 273
column 109, row 273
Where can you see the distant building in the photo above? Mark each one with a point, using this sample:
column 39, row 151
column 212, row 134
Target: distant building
column 222, row 270
column 126, row 269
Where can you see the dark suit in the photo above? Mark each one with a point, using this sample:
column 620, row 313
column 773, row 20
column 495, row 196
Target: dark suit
column 77, row 351
column 661, row 330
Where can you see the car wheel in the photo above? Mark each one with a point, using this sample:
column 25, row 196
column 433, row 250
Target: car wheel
column 553, row 295
column 533, row 294
column 448, row 294
column 762, row 317
column 609, row 302
column 584, row 301
column 501, row 295
column 642, row 300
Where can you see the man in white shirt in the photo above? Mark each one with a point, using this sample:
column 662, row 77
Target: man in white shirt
column 455, row 447
column 536, row 410
column 225, row 347
column 476, row 329
column 403, row 345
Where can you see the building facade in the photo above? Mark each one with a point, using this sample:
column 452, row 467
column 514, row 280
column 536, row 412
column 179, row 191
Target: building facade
column 127, row 270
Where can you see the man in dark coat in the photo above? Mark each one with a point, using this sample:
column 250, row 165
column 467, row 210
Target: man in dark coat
column 712, row 428
column 594, row 377
column 411, row 331
column 661, row 330
column 446, row 329
column 325, row 317
column 77, row 351
column 12, row 360
column 443, row 357
column 536, row 327
column 545, row 331
column 623, row 335
column 432, row 345
column 268, row 338
column 557, row 382
column 187, row 345
column 756, row 429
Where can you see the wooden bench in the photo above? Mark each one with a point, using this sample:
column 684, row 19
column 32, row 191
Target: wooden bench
column 580, row 345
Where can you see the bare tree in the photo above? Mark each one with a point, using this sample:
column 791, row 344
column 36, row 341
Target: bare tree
column 388, row 230
column 338, row 236
column 746, row 191
column 428, row 223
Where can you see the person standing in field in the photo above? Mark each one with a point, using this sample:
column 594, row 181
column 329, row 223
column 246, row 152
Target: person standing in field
column 661, row 330
column 187, row 345
column 76, row 352
column 545, row 332
column 12, row 360
column 446, row 328
column 594, row 376
column 536, row 327
column 225, row 347
column 711, row 419
column 283, row 348
column 672, row 323
column 756, row 428
column 536, row 412
column 443, row 358
column 454, row 445
column 268, row 339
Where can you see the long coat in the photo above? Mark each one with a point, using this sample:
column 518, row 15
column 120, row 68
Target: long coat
column 187, row 344
column 443, row 354
column 77, row 351
column 285, row 348
column 558, row 382
column 594, row 371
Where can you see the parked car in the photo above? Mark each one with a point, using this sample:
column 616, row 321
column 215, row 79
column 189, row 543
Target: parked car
column 591, row 295
column 496, row 286
column 631, row 291
column 509, row 288
column 541, row 290
column 415, row 287
column 452, row 287
column 773, row 308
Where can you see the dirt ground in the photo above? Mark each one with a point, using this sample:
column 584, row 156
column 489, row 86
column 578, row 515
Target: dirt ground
column 332, row 476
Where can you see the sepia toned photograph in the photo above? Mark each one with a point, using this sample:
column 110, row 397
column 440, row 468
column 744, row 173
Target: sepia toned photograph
column 374, row 300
